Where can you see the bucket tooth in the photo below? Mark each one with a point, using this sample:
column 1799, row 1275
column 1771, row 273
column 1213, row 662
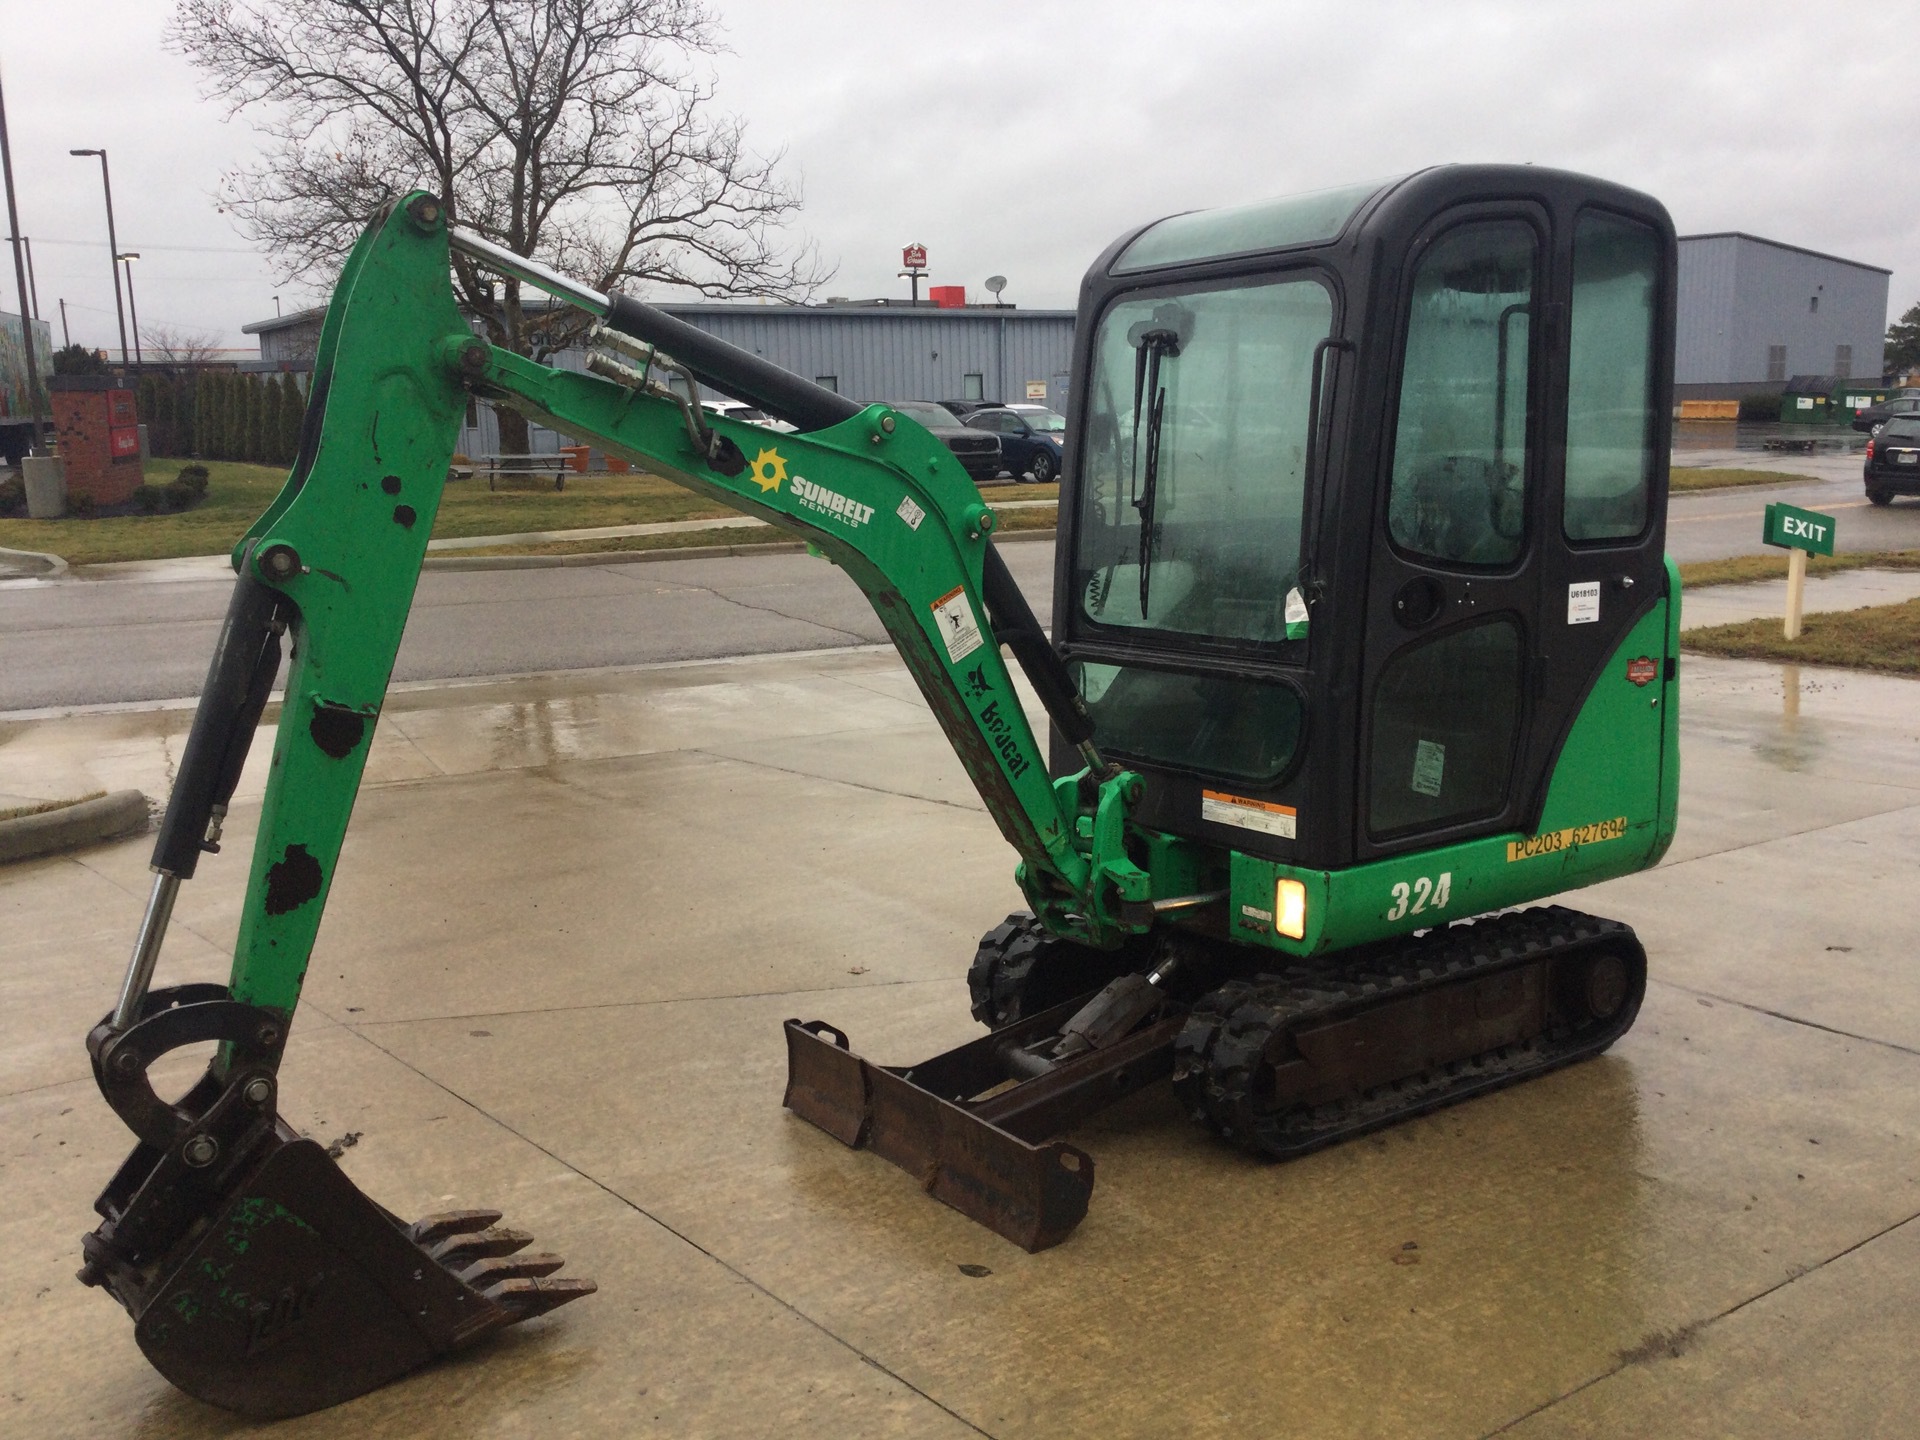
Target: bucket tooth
column 430, row 1230
column 458, row 1251
column 528, row 1298
column 529, row 1265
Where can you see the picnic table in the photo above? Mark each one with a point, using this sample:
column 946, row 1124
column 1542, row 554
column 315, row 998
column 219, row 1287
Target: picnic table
column 538, row 467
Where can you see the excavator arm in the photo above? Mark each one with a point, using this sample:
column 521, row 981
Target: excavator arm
column 336, row 558
column 259, row 1278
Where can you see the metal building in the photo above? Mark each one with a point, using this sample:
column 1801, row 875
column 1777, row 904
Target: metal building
column 1753, row 313
column 899, row 352
column 865, row 350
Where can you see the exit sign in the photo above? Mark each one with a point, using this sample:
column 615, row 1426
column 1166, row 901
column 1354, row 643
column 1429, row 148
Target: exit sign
column 1792, row 528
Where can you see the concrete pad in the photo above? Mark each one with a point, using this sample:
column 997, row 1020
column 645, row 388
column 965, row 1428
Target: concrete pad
column 575, row 909
column 687, row 1347
column 1832, row 1354
column 1715, row 1154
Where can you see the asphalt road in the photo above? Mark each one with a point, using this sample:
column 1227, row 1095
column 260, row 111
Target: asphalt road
column 90, row 642
column 93, row 642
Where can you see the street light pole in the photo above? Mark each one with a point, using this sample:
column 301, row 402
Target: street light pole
column 20, row 278
column 113, row 248
column 66, row 335
column 132, row 309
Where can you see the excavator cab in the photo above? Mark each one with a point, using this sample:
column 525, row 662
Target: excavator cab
column 1365, row 490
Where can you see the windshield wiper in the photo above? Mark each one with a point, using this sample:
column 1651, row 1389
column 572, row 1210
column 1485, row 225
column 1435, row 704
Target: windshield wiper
column 1153, row 344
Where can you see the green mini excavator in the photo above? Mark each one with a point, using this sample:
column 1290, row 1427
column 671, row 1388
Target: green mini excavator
column 1363, row 637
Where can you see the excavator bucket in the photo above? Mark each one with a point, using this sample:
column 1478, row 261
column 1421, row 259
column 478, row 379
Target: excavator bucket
column 259, row 1278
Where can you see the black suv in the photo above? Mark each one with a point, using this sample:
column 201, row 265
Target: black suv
column 1874, row 416
column 1893, row 460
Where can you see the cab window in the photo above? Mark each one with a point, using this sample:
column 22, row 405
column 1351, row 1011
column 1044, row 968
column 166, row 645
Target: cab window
column 1610, row 415
column 1460, row 439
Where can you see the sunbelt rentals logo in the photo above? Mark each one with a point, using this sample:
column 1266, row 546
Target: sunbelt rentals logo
column 769, row 472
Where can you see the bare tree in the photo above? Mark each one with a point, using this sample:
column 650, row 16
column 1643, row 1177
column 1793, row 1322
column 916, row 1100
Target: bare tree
column 577, row 132
column 172, row 345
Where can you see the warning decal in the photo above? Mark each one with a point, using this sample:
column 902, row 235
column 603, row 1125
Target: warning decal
column 958, row 628
column 1267, row 818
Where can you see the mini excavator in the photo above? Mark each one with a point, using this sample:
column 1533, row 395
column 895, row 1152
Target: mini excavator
column 1363, row 639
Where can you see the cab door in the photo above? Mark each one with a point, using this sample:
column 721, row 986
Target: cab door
column 1519, row 519
column 1453, row 580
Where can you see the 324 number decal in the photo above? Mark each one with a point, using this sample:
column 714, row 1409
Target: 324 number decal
column 1422, row 895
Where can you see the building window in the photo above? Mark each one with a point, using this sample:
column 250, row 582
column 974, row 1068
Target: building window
column 1843, row 361
column 1776, row 362
column 828, row 382
column 1813, row 304
column 973, row 387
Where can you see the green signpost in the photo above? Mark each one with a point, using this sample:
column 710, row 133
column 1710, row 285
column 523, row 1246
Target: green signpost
column 1800, row 533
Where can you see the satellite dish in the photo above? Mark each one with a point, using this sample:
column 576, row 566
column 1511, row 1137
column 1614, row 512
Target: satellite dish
column 996, row 283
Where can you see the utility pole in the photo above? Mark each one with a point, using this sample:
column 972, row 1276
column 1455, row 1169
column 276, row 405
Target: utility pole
column 132, row 309
column 20, row 278
column 33, row 286
column 113, row 249
column 66, row 335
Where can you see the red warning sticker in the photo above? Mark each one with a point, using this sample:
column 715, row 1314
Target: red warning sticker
column 1643, row 670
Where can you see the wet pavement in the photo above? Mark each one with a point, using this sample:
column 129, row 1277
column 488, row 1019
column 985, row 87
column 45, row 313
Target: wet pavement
column 573, row 911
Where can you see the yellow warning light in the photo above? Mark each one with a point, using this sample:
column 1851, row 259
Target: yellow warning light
column 1290, row 909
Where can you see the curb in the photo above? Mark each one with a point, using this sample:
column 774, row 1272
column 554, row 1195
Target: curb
column 49, row 566
column 26, row 836
column 636, row 557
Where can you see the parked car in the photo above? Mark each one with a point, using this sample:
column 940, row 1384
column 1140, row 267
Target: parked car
column 976, row 450
column 1893, row 460
column 1025, row 450
column 1047, row 422
column 739, row 410
column 1874, row 416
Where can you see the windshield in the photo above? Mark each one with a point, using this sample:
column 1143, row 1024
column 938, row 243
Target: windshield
column 1047, row 422
column 934, row 417
column 1194, row 470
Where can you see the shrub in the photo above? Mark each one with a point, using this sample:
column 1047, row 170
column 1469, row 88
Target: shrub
column 78, row 360
column 1760, row 407
column 149, row 499
column 84, row 506
column 182, row 496
column 13, row 495
column 194, row 477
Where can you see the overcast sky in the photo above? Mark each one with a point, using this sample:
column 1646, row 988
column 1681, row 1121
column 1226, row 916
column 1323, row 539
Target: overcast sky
column 1019, row 138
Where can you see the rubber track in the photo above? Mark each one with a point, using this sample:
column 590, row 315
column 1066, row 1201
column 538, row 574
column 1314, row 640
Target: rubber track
column 1020, row 969
column 1218, row 1056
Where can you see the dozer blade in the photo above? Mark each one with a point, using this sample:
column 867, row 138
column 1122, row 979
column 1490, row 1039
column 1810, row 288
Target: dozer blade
column 259, row 1278
column 974, row 1125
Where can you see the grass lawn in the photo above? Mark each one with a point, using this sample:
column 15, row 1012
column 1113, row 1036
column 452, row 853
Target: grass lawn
column 236, row 495
column 1741, row 569
column 1682, row 478
column 1874, row 637
column 42, row 807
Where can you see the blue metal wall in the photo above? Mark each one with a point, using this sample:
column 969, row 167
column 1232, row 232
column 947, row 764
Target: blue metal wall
column 885, row 353
column 1740, row 295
